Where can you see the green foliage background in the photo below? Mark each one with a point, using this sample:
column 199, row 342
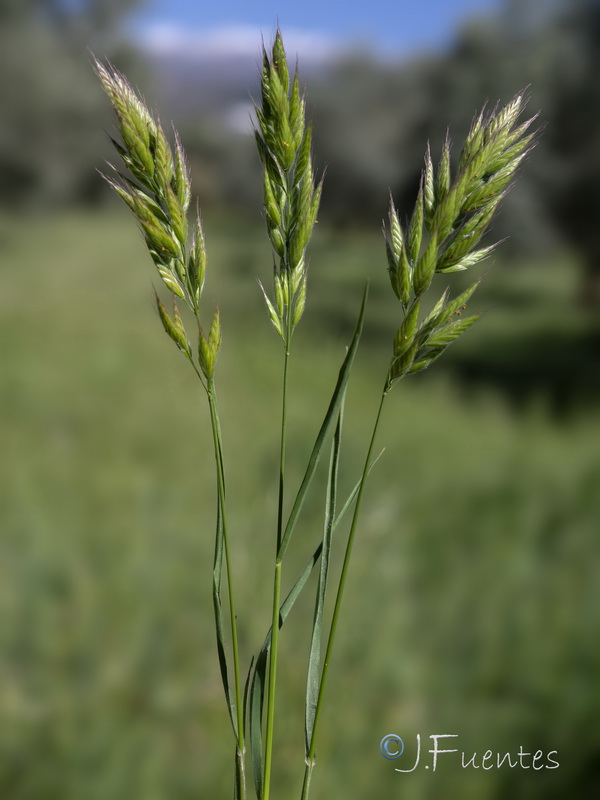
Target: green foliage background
column 473, row 607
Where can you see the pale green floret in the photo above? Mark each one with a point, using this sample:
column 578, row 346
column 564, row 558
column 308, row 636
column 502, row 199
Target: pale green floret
column 174, row 326
column 406, row 332
column 415, row 231
column 429, row 185
column 181, row 178
column 443, row 178
column 197, row 264
column 425, row 268
column 208, row 348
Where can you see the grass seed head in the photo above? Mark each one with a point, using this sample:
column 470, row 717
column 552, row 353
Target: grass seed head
column 159, row 197
column 455, row 212
column 291, row 199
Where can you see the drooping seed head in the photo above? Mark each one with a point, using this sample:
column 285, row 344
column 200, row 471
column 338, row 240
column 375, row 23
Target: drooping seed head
column 159, row 197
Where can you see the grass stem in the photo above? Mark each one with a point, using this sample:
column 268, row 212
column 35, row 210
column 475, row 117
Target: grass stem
column 276, row 588
column 310, row 761
column 217, row 439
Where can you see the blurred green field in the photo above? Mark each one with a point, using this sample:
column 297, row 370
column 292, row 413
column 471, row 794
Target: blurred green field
column 473, row 605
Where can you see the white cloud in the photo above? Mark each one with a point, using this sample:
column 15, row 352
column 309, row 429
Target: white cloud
column 164, row 39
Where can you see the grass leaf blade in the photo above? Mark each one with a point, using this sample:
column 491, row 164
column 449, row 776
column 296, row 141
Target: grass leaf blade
column 330, row 417
column 352, row 497
column 314, row 663
column 218, row 609
column 255, row 683
column 256, row 697
column 258, row 681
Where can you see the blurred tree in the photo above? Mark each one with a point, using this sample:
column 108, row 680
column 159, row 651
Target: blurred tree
column 360, row 109
column 53, row 111
column 388, row 111
column 372, row 118
column 573, row 133
column 94, row 17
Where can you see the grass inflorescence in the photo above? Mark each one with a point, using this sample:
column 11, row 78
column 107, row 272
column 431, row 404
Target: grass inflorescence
column 444, row 234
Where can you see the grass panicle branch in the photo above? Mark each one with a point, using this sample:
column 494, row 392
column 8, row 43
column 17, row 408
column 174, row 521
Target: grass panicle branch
column 159, row 196
column 444, row 234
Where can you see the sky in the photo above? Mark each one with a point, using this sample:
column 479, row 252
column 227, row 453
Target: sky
column 392, row 27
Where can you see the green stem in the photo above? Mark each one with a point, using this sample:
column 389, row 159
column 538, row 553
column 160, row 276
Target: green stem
column 276, row 589
column 282, row 450
column 240, row 749
column 310, row 761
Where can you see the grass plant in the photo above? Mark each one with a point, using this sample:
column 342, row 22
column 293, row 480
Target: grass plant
column 452, row 212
